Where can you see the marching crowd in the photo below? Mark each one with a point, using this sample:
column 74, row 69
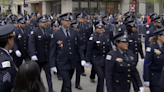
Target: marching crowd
column 63, row 44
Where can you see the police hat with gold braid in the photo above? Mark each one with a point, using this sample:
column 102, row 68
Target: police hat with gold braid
column 6, row 31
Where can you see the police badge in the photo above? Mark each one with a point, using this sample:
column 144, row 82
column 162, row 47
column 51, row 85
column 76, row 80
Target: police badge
column 60, row 43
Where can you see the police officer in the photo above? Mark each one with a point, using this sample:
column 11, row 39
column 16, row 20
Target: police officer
column 55, row 26
column 34, row 20
column 98, row 46
column 83, row 34
column 75, row 26
column 148, row 26
column 21, row 43
column 88, row 25
column 120, row 68
column 66, row 44
column 28, row 23
column 154, row 61
column 134, row 40
column 157, row 24
column 109, row 28
column 7, row 68
column 49, row 23
column 39, row 44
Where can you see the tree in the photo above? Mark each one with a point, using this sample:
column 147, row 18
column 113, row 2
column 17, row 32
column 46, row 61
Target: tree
column 4, row 3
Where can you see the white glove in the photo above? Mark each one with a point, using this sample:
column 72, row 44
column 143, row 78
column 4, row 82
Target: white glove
column 18, row 53
column 83, row 62
column 142, row 89
column 34, row 58
column 54, row 69
column 146, row 84
column 10, row 51
column 87, row 65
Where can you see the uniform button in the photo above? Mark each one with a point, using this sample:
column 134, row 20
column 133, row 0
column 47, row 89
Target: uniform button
column 128, row 80
column 84, row 36
column 135, row 48
column 128, row 75
column 46, row 50
column 103, row 42
column 70, row 48
column 94, row 56
column 103, row 55
column 120, row 64
column 128, row 70
column 24, row 44
column 70, row 52
column 136, row 52
column 152, row 74
column 46, row 46
column 104, row 51
column 84, row 40
column 1, row 52
column 117, row 81
column 135, row 41
column 158, row 57
column 24, row 47
column 135, row 44
column 83, row 33
column 46, row 42
column 128, row 64
column 103, row 46
column 69, row 44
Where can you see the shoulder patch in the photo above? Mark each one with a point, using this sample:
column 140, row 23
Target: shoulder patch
column 6, row 64
column 148, row 49
column 91, row 38
column 32, row 32
column 108, row 57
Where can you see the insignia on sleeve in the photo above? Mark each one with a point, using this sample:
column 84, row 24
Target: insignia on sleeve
column 7, row 77
column 91, row 38
column 108, row 57
column 32, row 32
column 148, row 49
column 6, row 64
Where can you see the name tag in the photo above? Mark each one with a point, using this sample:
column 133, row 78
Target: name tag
column 6, row 64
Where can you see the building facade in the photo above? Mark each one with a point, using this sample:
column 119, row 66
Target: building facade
column 76, row 6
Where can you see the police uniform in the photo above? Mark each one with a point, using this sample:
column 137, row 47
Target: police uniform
column 150, row 31
column 120, row 68
column 34, row 21
column 84, row 34
column 153, row 64
column 7, row 67
column 21, row 44
column 65, row 44
column 39, row 44
column 98, row 46
column 135, row 43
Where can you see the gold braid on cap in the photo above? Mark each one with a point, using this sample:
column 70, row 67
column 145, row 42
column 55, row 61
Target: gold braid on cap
column 7, row 36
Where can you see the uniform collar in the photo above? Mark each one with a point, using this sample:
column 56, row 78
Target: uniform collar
column 5, row 51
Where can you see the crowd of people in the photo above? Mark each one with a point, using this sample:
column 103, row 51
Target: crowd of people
column 110, row 45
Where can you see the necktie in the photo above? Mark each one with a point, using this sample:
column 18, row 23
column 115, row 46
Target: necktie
column 125, row 55
column 67, row 34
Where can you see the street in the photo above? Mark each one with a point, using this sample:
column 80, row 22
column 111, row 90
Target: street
column 85, row 81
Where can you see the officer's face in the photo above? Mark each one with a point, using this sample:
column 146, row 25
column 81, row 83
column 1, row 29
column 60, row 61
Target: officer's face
column 55, row 28
column 123, row 45
column 100, row 30
column 16, row 25
column 11, row 42
column 134, row 29
column 28, row 21
column 80, row 19
column 106, row 22
column 49, row 22
column 22, row 25
column 54, row 17
column 161, row 38
column 86, row 20
column 33, row 17
column 159, row 24
column 66, row 23
column 43, row 25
